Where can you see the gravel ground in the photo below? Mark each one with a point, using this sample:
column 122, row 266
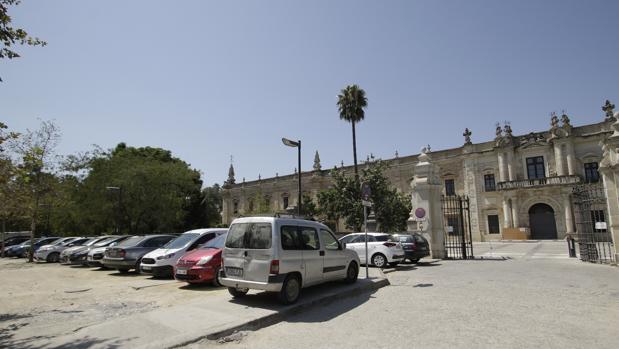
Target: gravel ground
column 47, row 300
column 534, row 299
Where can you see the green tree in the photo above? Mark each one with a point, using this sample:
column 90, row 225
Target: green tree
column 7, row 187
column 260, row 203
column 308, row 206
column 351, row 103
column 10, row 36
column 342, row 200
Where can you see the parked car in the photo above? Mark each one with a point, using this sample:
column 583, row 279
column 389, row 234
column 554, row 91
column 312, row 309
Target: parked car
column 415, row 246
column 283, row 255
column 383, row 249
column 161, row 261
column 76, row 255
column 202, row 264
column 15, row 240
column 128, row 254
column 51, row 253
column 96, row 253
column 22, row 250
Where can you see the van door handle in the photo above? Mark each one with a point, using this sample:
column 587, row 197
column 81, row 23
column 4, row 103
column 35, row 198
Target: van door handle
column 322, row 253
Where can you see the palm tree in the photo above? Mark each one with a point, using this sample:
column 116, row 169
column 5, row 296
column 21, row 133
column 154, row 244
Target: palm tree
column 350, row 103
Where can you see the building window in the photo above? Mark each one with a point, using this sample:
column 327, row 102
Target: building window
column 236, row 207
column 450, row 187
column 285, row 202
column 493, row 224
column 535, row 167
column 453, row 225
column 489, row 182
column 598, row 221
column 591, row 172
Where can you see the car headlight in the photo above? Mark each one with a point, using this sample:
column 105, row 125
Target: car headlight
column 167, row 256
column 204, row 260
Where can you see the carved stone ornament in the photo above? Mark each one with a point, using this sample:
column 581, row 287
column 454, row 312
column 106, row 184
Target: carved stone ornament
column 608, row 109
column 467, row 136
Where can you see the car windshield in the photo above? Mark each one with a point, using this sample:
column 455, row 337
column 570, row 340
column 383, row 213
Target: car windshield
column 182, row 240
column 90, row 242
column 62, row 242
column 249, row 235
column 217, row 242
column 132, row 241
column 405, row 238
column 105, row 242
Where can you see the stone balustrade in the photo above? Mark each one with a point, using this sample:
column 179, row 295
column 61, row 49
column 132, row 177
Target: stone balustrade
column 538, row 182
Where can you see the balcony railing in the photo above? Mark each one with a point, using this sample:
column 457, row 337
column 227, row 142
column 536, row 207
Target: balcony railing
column 538, row 182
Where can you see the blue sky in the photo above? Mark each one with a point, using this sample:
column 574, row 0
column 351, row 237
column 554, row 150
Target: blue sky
column 210, row 79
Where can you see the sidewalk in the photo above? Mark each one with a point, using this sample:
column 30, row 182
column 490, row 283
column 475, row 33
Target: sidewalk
column 212, row 317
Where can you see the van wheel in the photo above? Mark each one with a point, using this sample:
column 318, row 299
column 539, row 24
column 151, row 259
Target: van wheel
column 53, row 257
column 238, row 292
column 352, row 273
column 379, row 260
column 291, row 289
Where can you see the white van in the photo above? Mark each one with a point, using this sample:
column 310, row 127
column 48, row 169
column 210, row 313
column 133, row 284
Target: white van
column 161, row 261
column 283, row 255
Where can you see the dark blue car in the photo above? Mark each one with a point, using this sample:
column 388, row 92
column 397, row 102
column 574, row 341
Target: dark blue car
column 23, row 249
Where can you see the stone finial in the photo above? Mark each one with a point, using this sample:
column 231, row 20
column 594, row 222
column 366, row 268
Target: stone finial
column 368, row 159
column 554, row 120
column 396, row 154
column 317, row 166
column 243, row 179
column 259, row 177
column 276, row 174
column 565, row 120
column 608, row 109
column 295, row 170
column 507, row 129
column 467, row 136
column 342, row 163
column 499, row 131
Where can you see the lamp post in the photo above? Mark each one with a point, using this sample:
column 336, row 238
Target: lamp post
column 297, row 145
column 119, row 189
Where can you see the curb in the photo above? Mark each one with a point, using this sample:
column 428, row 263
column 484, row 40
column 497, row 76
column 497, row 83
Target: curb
column 272, row 319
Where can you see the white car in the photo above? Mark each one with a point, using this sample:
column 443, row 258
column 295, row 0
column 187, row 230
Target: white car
column 383, row 250
column 283, row 255
column 161, row 261
column 51, row 253
column 77, row 253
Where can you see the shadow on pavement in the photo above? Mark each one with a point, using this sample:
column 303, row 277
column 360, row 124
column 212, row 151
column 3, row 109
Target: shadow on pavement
column 204, row 287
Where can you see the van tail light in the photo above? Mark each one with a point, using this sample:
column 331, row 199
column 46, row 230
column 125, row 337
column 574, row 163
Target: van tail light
column 390, row 244
column 274, row 267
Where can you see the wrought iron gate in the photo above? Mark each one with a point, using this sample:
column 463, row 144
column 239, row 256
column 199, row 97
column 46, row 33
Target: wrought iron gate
column 593, row 234
column 457, row 224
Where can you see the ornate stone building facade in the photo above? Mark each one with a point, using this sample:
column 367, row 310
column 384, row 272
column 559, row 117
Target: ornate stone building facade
column 516, row 184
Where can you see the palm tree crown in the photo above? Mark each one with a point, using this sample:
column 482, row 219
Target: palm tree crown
column 351, row 103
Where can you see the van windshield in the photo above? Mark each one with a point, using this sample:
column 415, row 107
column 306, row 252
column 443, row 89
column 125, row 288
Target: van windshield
column 249, row 235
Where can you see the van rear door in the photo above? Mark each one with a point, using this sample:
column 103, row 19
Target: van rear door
column 247, row 254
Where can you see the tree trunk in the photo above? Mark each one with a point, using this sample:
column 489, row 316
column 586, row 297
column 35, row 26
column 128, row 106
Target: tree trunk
column 354, row 150
column 33, row 227
column 3, row 233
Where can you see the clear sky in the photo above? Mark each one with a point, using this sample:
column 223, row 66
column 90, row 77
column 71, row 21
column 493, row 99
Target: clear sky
column 210, row 79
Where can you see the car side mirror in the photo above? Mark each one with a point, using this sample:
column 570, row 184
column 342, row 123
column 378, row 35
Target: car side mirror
column 342, row 246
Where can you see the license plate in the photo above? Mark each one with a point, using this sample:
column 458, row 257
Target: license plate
column 146, row 268
column 181, row 271
column 231, row 271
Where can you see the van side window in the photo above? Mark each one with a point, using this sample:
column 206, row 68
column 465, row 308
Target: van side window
column 328, row 239
column 309, row 238
column 288, row 237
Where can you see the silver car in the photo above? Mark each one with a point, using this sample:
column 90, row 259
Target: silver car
column 283, row 255
column 51, row 253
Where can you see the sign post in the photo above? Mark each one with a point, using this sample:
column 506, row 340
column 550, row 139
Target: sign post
column 366, row 192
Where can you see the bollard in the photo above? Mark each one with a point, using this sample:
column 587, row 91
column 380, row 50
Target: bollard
column 571, row 246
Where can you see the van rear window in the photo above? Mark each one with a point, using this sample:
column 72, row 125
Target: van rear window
column 255, row 236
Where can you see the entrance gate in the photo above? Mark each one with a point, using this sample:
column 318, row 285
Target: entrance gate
column 594, row 237
column 457, row 224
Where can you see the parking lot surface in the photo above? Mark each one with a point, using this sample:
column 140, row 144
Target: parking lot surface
column 534, row 299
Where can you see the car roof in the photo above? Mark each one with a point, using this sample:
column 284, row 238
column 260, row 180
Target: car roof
column 202, row 231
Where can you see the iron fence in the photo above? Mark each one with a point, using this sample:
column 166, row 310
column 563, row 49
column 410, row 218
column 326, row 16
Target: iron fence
column 457, row 223
column 593, row 234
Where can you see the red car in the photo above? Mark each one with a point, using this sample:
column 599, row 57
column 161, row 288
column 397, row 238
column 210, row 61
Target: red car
column 202, row 264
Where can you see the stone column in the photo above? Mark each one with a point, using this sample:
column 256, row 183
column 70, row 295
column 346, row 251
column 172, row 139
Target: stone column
column 511, row 171
column 426, row 216
column 571, row 159
column 507, row 213
column 515, row 220
column 609, row 167
column 569, row 220
column 502, row 174
column 559, row 166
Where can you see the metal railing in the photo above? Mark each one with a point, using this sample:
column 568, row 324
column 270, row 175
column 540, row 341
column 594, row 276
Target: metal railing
column 539, row 182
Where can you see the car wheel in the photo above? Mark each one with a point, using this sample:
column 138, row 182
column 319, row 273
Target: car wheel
column 53, row 257
column 414, row 261
column 394, row 264
column 291, row 289
column 237, row 292
column 137, row 266
column 352, row 273
column 216, row 282
column 379, row 260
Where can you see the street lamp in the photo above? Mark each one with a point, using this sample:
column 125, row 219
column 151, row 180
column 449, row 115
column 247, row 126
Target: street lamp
column 297, row 145
column 120, row 192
